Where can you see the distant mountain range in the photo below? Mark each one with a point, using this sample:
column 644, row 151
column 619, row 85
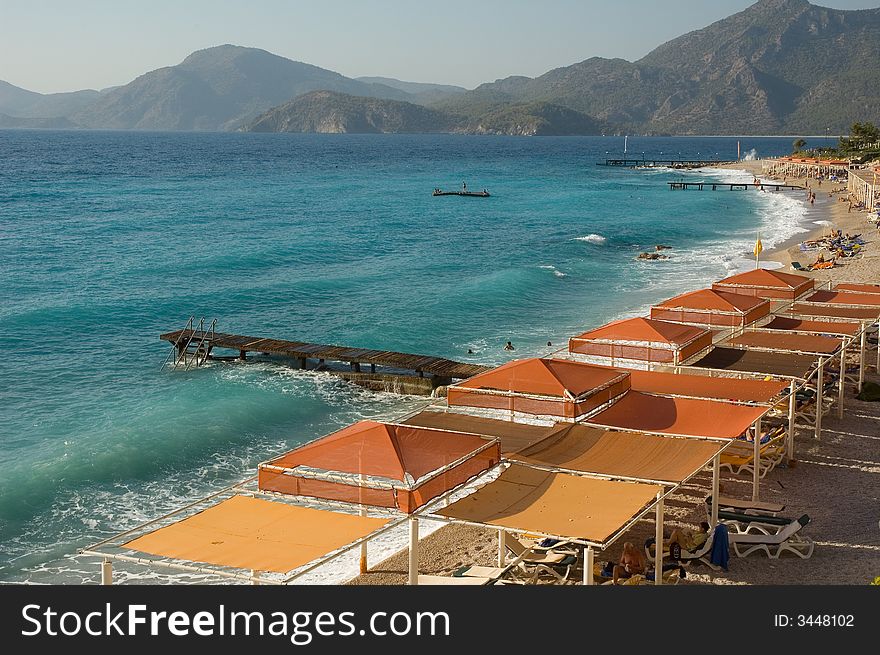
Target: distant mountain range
column 780, row 66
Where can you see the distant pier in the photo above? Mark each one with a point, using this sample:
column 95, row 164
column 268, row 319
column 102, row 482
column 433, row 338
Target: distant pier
column 380, row 370
column 667, row 163
column 741, row 186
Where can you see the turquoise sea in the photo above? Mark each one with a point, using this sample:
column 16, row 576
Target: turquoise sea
column 108, row 239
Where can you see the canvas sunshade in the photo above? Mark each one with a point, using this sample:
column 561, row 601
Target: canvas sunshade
column 835, row 311
column 380, row 464
column 785, row 323
column 542, row 387
column 256, row 534
column 711, row 307
column 802, row 343
column 713, row 419
column 764, row 283
column 701, row 386
column 758, row 361
column 642, row 339
column 514, row 436
column 858, row 288
column 555, row 504
column 594, row 450
column 844, row 298
column 548, row 377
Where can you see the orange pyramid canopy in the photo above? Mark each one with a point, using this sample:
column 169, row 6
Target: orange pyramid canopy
column 711, row 300
column 383, row 450
column 645, row 329
column 765, row 283
column 549, row 377
column 386, row 465
column 845, row 298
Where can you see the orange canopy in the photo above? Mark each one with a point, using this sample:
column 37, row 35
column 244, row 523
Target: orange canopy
column 642, row 412
column 552, row 387
column 562, row 505
column 643, row 456
column 845, row 298
column 513, row 435
column 834, row 311
column 641, row 339
column 700, row 386
column 256, row 534
column 763, row 283
column 784, row 323
column 380, row 464
column 858, row 288
column 712, row 308
column 802, row 343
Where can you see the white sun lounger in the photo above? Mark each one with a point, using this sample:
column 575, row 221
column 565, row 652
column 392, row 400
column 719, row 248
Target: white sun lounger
column 787, row 539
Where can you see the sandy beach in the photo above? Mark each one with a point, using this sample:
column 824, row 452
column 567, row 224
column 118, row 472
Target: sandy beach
column 833, row 480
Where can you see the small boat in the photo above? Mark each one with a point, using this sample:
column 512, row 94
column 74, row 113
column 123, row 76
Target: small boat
column 464, row 192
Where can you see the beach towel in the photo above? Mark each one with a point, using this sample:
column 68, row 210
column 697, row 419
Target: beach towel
column 720, row 547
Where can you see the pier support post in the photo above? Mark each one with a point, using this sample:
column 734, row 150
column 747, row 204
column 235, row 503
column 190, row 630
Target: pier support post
column 106, row 572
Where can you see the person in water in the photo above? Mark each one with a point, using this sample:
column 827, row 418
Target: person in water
column 509, row 346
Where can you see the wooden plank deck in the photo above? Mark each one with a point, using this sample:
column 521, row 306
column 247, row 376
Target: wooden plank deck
column 422, row 364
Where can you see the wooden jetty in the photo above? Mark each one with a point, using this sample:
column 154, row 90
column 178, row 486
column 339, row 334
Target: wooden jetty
column 657, row 163
column 380, row 370
column 742, row 186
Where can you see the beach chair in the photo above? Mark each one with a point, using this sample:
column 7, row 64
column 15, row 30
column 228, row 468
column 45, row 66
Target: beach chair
column 787, row 539
column 682, row 556
column 556, row 562
column 739, row 457
column 744, row 505
column 468, row 575
column 797, row 266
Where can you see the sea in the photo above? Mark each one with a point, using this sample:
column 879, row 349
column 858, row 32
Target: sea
column 108, row 239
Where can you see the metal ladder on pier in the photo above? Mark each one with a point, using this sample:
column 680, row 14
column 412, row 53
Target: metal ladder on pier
column 193, row 345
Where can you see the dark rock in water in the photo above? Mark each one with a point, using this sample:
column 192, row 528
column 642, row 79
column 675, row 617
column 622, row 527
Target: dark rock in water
column 662, row 247
column 651, row 255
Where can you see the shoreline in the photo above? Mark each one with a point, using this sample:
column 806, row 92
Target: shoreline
column 846, row 535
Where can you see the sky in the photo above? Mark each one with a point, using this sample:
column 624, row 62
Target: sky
column 65, row 45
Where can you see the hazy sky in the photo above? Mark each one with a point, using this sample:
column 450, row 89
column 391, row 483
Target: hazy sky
column 64, row 45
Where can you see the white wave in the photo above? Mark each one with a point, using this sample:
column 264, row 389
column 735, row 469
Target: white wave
column 556, row 271
column 597, row 239
column 751, row 155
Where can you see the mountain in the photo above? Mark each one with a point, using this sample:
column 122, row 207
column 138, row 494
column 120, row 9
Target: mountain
column 20, row 103
column 422, row 93
column 330, row 112
column 780, row 66
column 216, row 89
column 533, row 119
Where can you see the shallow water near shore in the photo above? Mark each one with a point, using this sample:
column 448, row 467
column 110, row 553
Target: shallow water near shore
column 108, row 239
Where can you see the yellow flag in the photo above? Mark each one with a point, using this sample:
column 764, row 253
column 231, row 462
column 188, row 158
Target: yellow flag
column 758, row 247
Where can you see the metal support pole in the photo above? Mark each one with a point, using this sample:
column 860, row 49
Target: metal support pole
column 820, row 384
column 658, row 543
column 862, row 361
column 756, row 463
column 106, row 572
column 413, row 551
column 588, row 565
column 840, row 384
column 792, row 407
column 501, row 548
column 256, row 577
column 716, row 487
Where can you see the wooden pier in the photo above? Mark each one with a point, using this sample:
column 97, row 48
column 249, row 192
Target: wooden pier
column 735, row 187
column 657, row 163
column 381, row 370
